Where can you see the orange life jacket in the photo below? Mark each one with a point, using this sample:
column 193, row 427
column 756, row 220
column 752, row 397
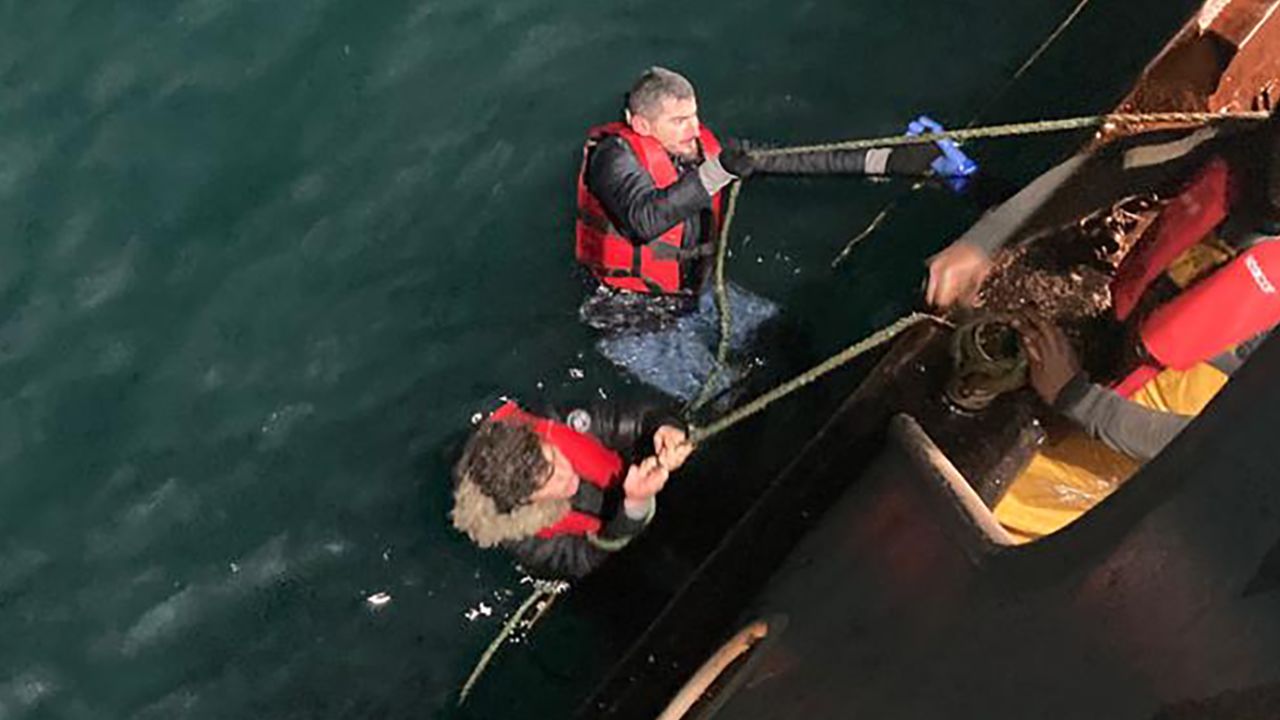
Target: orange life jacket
column 649, row 267
column 593, row 462
column 1236, row 302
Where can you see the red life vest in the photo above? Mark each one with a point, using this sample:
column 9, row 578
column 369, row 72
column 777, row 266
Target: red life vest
column 1236, row 302
column 593, row 462
column 653, row 267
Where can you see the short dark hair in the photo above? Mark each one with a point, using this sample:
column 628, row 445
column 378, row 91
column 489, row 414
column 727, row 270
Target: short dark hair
column 653, row 86
column 505, row 461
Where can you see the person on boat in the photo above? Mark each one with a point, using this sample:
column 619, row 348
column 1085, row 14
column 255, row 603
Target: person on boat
column 649, row 196
column 564, row 492
column 1198, row 291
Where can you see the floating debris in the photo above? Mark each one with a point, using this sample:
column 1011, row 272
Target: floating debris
column 576, row 373
column 481, row 610
column 378, row 599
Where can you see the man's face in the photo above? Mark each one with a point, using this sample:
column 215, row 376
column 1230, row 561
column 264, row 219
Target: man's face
column 674, row 124
column 562, row 481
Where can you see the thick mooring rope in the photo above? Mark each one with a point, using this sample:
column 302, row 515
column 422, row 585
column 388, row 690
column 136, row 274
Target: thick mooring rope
column 990, row 131
column 722, row 302
column 1038, row 127
column 549, row 591
column 875, row 340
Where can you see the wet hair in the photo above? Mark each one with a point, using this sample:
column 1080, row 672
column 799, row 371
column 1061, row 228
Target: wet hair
column 505, row 461
column 653, row 86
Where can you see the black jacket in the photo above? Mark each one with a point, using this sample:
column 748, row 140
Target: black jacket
column 642, row 212
column 627, row 431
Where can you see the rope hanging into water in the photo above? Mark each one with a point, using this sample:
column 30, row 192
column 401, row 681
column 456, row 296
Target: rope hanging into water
column 547, row 590
column 722, row 302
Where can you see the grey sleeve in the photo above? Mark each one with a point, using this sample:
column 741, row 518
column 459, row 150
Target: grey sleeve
column 1124, row 425
column 1001, row 224
column 1135, row 164
column 622, row 527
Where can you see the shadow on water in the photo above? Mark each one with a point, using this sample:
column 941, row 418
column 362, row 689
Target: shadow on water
column 261, row 263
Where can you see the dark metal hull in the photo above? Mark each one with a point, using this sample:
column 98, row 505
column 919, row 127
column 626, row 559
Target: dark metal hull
column 907, row 601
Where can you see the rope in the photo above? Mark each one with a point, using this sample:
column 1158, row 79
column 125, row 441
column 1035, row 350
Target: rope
column 990, row 131
column 1038, row 127
column 541, row 589
column 722, row 301
column 1034, row 57
column 697, row 435
column 873, row 225
column 701, row 434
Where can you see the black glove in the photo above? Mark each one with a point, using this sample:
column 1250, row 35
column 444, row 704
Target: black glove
column 737, row 160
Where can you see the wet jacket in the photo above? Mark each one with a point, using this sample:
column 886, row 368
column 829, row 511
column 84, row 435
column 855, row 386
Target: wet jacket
column 641, row 211
column 629, row 432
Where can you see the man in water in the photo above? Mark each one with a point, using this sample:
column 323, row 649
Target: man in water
column 1196, row 290
column 649, row 210
column 564, row 492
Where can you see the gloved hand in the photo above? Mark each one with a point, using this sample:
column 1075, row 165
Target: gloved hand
column 737, row 160
column 952, row 165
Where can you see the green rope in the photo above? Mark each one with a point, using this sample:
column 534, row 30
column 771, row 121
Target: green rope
column 541, row 589
column 1031, row 60
column 871, row 227
column 551, row 590
column 1017, row 129
column 701, row 434
column 971, row 133
column 722, row 301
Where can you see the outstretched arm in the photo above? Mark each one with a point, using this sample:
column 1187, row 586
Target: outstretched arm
column 903, row 160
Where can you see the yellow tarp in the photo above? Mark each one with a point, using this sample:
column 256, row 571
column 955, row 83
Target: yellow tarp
column 1067, row 478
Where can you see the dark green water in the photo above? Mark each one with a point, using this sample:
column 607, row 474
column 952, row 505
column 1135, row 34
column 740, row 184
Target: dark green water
column 261, row 261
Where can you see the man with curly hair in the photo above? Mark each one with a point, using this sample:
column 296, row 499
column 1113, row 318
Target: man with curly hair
column 557, row 492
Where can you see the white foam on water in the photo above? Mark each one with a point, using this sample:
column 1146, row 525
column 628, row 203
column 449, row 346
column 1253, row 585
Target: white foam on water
column 23, row 692
column 281, row 422
column 179, row 611
column 108, row 280
column 145, row 521
column 20, row 157
column 197, row 13
column 110, row 81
